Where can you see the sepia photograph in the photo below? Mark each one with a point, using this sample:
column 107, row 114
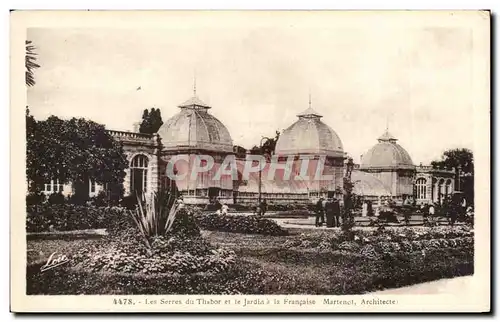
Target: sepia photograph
column 250, row 161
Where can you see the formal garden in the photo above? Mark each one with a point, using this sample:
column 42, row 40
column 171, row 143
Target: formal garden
column 161, row 247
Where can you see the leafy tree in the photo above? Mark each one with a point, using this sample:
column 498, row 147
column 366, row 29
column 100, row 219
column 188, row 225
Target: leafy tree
column 456, row 159
column 151, row 121
column 30, row 63
column 461, row 161
column 76, row 151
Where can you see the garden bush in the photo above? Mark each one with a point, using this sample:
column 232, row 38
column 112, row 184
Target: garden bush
column 251, row 224
column 101, row 200
column 64, row 217
column 35, row 198
column 56, row 199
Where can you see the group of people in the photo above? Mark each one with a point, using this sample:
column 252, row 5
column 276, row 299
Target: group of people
column 452, row 211
column 329, row 208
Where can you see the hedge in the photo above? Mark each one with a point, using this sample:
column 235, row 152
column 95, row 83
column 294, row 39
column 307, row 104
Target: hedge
column 64, row 217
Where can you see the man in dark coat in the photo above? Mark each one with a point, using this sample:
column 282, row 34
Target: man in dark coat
column 217, row 204
column 336, row 212
column 263, row 207
column 320, row 214
column 330, row 222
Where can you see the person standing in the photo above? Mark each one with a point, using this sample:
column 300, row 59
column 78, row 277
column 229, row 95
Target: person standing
column 431, row 211
column 336, row 212
column 369, row 208
column 263, row 207
column 217, row 205
column 320, row 215
column 364, row 209
column 180, row 202
column 329, row 213
column 224, row 209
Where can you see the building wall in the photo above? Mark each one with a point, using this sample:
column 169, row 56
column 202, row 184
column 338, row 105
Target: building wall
column 438, row 183
column 200, row 188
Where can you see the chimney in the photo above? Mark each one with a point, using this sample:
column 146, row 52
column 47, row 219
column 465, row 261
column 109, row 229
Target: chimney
column 136, row 127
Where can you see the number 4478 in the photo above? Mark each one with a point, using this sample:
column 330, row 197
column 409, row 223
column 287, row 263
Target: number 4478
column 123, row 302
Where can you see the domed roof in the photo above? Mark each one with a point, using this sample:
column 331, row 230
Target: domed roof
column 387, row 154
column 309, row 135
column 194, row 128
column 366, row 184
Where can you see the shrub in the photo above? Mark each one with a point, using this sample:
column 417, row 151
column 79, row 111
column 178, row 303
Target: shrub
column 77, row 199
column 35, row 198
column 56, row 199
column 63, row 217
column 129, row 202
column 101, row 200
column 251, row 224
column 155, row 216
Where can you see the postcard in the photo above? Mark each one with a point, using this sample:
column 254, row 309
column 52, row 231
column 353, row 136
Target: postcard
column 250, row 161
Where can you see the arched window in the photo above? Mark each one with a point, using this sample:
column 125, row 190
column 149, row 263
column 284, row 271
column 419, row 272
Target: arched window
column 139, row 174
column 440, row 192
column 448, row 190
column 421, row 185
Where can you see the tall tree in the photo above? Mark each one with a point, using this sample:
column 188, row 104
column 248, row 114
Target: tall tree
column 151, row 121
column 461, row 161
column 76, row 151
column 30, row 63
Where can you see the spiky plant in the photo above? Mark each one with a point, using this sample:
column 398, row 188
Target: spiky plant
column 30, row 63
column 154, row 216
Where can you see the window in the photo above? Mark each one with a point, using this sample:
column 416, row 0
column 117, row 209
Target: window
column 92, row 187
column 421, row 187
column 448, row 189
column 139, row 174
column 53, row 187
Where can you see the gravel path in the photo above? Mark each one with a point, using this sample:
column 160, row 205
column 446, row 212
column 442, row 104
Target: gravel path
column 445, row 286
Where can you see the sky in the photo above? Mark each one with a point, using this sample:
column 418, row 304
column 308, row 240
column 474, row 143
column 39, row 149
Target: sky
column 258, row 77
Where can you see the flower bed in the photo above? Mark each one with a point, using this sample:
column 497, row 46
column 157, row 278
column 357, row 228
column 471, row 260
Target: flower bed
column 169, row 255
column 387, row 240
column 334, row 238
column 246, row 278
column 182, row 250
column 251, row 224
column 337, row 273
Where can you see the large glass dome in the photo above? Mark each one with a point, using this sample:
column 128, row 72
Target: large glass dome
column 309, row 135
column 195, row 128
column 387, row 154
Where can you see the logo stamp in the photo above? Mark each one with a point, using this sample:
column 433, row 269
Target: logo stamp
column 54, row 260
